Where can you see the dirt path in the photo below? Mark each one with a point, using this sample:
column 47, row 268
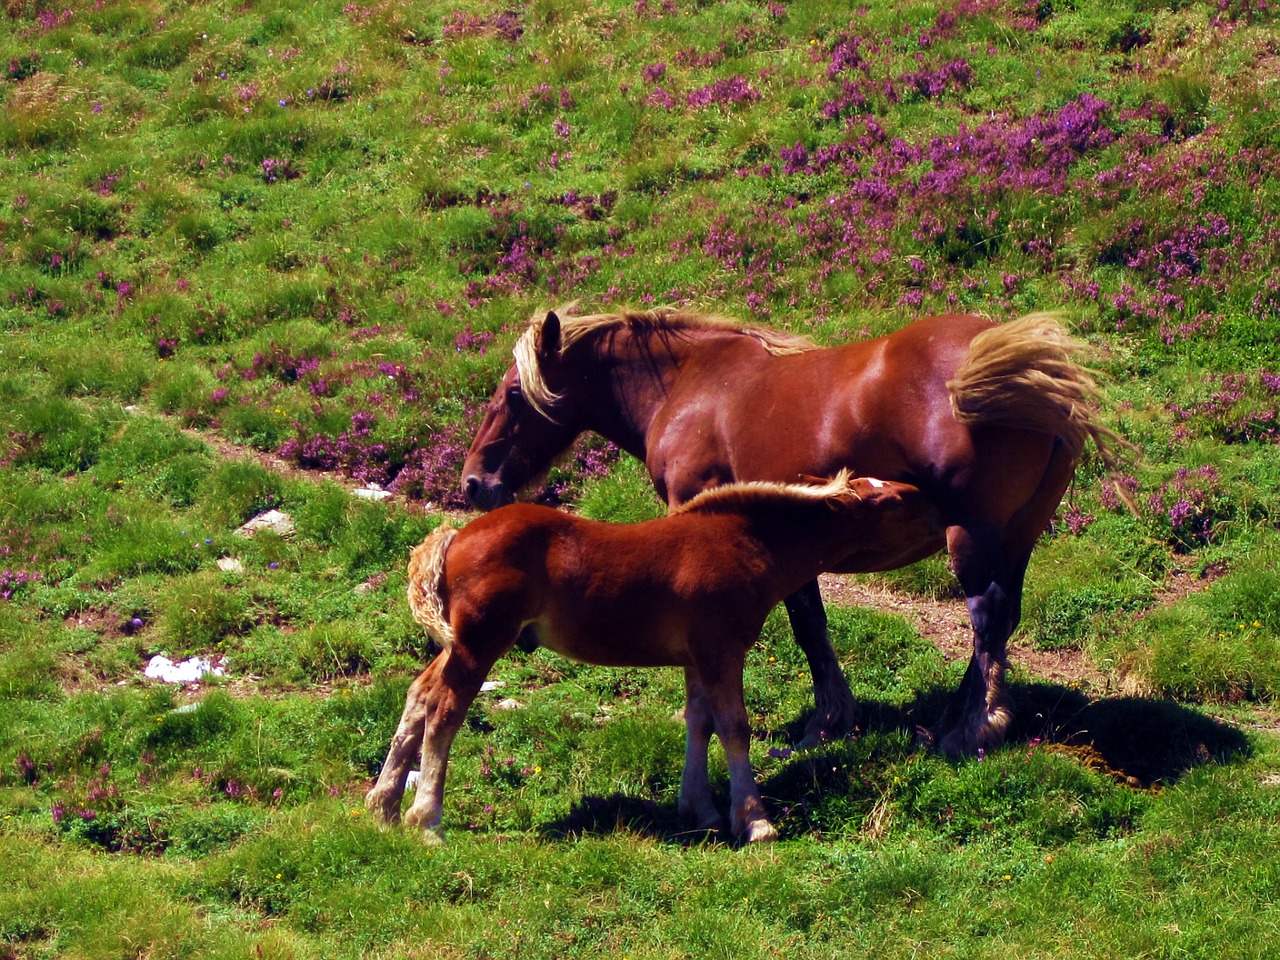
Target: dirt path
column 946, row 624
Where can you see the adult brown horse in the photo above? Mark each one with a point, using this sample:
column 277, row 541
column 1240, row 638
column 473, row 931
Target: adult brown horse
column 988, row 420
column 690, row 590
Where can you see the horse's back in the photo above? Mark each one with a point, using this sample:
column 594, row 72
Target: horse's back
column 878, row 407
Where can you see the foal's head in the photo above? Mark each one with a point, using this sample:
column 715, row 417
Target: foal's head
column 523, row 429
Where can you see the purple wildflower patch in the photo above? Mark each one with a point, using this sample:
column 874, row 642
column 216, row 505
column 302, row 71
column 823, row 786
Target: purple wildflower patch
column 731, row 91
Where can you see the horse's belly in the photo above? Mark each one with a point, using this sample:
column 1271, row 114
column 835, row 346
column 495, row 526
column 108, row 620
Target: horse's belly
column 877, row 557
column 616, row 641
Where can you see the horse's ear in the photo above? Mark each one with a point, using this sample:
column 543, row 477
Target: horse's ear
column 549, row 339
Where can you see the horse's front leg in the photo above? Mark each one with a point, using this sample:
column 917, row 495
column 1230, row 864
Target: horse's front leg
column 695, row 803
column 747, row 817
column 835, row 711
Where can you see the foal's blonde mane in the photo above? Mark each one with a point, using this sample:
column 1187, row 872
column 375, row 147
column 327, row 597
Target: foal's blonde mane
column 776, row 343
column 758, row 493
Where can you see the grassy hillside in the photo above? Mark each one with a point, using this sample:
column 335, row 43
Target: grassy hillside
column 255, row 255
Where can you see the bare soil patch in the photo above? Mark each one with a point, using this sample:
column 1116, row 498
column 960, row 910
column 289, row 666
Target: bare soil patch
column 946, row 624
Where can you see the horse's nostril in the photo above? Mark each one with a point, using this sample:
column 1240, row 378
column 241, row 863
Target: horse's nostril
column 470, row 487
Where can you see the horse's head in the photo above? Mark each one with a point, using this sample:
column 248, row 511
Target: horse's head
column 522, row 432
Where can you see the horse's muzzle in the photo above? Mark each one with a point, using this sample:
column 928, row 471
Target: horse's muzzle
column 485, row 496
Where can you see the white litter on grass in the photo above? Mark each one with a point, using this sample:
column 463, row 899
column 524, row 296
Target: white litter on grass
column 188, row 671
column 230, row 565
column 411, row 781
column 371, row 492
column 511, row 703
column 277, row 521
column 491, row 685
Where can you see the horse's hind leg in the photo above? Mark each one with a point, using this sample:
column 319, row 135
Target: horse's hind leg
column 835, row 711
column 696, row 804
column 990, row 560
column 979, row 714
column 383, row 801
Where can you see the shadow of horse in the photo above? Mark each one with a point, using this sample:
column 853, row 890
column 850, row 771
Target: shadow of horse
column 1142, row 744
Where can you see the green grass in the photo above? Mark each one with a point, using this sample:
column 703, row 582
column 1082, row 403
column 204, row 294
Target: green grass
column 322, row 229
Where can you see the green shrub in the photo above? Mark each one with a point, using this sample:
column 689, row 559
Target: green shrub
column 1073, row 581
column 140, row 538
column 1034, row 795
column 57, row 434
column 84, row 369
column 336, row 649
column 624, row 495
column 236, row 490
column 197, row 611
column 199, row 831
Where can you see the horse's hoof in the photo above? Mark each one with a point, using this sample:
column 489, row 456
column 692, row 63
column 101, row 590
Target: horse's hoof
column 825, row 728
column 811, row 739
column 760, row 831
column 965, row 740
column 428, row 821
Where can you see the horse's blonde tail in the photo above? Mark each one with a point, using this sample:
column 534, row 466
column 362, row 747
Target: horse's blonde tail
column 427, row 599
column 1027, row 374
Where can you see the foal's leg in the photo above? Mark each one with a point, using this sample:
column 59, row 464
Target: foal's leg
column 455, row 687
column 747, row 817
column 834, row 712
column 383, row 801
column 695, row 789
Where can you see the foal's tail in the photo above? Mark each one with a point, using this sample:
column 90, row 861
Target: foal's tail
column 1027, row 374
column 427, row 600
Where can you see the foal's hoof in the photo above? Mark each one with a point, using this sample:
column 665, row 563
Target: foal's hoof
column 382, row 809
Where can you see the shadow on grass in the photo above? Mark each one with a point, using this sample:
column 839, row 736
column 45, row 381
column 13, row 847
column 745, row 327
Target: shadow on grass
column 1140, row 743
column 619, row 813
column 1143, row 743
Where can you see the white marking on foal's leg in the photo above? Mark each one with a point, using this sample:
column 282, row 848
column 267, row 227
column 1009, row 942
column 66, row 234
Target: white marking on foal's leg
column 747, row 817
column 383, row 801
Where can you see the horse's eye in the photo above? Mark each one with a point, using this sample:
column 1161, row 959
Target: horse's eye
column 515, row 400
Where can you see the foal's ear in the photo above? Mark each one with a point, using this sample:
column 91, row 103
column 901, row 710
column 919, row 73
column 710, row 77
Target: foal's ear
column 549, row 338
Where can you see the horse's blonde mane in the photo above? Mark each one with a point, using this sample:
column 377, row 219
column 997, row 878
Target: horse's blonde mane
column 663, row 319
column 757, row 493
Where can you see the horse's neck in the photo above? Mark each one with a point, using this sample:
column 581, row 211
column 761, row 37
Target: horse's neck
column 639, row 374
